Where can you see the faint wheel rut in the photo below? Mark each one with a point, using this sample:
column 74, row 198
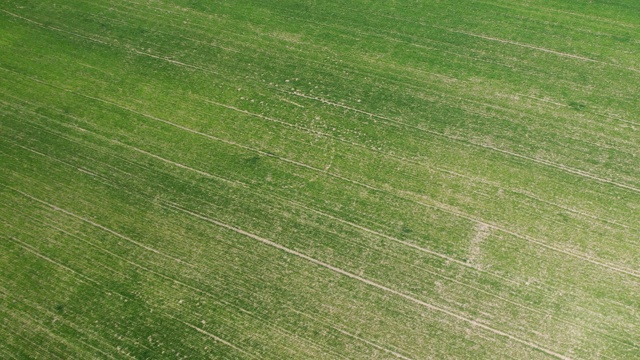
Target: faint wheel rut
column 482, row 232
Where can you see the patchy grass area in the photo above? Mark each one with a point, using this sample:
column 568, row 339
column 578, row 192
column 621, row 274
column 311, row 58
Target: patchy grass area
column 319, row 179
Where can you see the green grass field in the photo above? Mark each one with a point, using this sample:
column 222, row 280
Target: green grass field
column 189, row 179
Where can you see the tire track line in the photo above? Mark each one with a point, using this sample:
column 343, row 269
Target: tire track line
column 127, row 47
column 441, row 207
column 533, row 47
column 54, row 28
column 559, row 53
column 43, row 351
column 30, row 249
column 423, row 250
column 469, row 142
column 95, row 224
column 454, row 53
column 4, row 351
column 179, row 282
column 225, row 141
column 451, row 210
column 50, row 332
column 374, row 284
column 371, row 343
column 174, row 62
column 279, row 329
column 300, row 205
column 81, row 169
column 458, row 282
column 573, row 210
column 104, row 138
column 509, row 42
column 205, row 69
column 399, row 158
column 31, row 321
column 212, row 336
column 530, row 7
column 386, row 155
column 177, row 164
column 209, row 70
column 409, row 245
column 561, row 167
column 391, row 238
column 448, row 209
column 71, row 324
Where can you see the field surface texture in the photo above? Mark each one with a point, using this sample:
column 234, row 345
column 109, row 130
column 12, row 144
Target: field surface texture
column 190, row 179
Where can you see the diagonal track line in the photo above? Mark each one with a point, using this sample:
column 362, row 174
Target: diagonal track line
column 374, row 284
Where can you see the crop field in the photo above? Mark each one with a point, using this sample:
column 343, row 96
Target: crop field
column 250, row 179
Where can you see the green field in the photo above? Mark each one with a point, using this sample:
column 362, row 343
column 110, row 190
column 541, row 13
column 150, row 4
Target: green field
column 189, row 179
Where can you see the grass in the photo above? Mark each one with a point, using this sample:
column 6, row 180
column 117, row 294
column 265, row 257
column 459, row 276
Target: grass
column 246, row 179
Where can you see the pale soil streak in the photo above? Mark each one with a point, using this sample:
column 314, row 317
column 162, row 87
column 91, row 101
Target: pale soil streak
column 105, row 180
column 324, row 49
column 4, row 353
column 572, row 210
column 309, row 131
column 435, row 133
column 278, row 121
column 606, row 116
column 178, row 282
column 42, row 351
column 449, row 209
column 144, row 14
column 291, row 102
column 209, row 70
column 214, row 337
column 562, row 167
column 344, row 332
column 54, row 28
column 182, row 166
column 71, row 324
column 410, row 298
column 101, row 179
column 481, row 225
column 546, row 9
column 174, row 62
column 532, row 196
column 28, row 247
column 229, row 142
column 394, row 239
column 33, row 323
column 408, row 160
column 483, row 104
column 493, row 148
column 416, row 247
column 559, row 53
column 350, row 30
column 483, row 230
column 520, row 192
column 441, row 207
column 389, row 238
column 54, row 207
column 36, row 253
column 381, row 235
column 171, row 61
column 545, row 162
column 396, row 40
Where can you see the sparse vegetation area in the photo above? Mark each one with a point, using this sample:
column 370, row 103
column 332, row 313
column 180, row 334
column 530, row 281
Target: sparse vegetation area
column 193, row 179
